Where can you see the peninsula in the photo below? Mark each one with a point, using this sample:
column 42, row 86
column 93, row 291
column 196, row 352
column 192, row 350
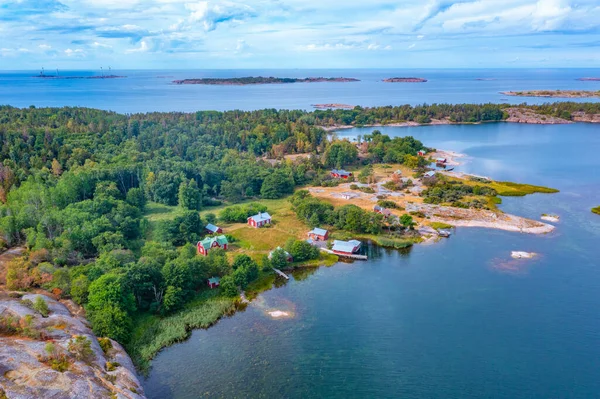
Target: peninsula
column 405, row 80
column 258, row 80
column 554, row 93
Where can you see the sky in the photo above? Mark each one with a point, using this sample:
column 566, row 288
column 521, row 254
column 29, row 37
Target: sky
column 182, row 34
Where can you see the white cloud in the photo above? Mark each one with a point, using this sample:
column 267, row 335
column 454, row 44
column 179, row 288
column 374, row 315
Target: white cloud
column 74, row 53
column 101, row 45
column 45, row 46
column 210, row 13
column 412, row 46
column 142, row 49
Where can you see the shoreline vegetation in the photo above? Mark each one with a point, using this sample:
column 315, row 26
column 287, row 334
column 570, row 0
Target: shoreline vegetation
column 405, row 80
column 110, row 207
column 596, row 210
column 258, row 80
column 554, row 93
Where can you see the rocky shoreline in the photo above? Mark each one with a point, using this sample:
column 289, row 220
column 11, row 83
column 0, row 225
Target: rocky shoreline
column 27, row 368
column 554, row 93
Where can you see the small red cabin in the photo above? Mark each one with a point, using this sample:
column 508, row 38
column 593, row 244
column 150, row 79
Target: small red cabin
column 214, row 282
column 318, row 234
column 340, row 174
column 422, row 153
column 212, row 229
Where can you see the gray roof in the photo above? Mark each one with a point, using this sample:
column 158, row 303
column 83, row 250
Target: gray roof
column 261, row 217
column 431, row 173
column 212, row 227
column 318, row 231
column 345, row 246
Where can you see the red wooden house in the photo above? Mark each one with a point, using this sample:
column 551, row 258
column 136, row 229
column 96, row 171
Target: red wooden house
column 212, row 229
column 340, row 174
column 211, row 242
column 259, row 220
column 318, row 234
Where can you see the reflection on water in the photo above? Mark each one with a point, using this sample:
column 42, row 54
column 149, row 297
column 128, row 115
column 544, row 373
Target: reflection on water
column 458, row 319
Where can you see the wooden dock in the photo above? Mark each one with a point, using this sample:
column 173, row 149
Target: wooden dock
column 350, row 256
column 282, row 274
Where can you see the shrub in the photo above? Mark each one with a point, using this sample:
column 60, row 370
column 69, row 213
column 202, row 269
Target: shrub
column 112, row 366
column 388, row 204
column 105, row 344
column 81, row 348
column 56, row 359
column 41, row 306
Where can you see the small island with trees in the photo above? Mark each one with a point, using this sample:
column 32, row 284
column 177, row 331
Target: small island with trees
column 405, row 80
column 258, row 80
column 554, row 93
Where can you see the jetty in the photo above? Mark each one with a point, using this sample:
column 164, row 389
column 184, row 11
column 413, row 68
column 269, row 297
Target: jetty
column 350, row 256
column 282, row 274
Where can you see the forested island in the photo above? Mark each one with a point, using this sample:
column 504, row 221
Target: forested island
column 106, row 209
column 405, row 80
column 258, row 80
column 554, row 93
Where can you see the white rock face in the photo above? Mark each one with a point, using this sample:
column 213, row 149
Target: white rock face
column 522, row 255
column 24, row 376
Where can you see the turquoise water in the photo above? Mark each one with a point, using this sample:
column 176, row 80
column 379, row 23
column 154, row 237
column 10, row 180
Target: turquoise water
column 152, row 90
column 458, row 319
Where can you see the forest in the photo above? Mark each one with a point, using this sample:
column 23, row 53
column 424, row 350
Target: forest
column 76, row 183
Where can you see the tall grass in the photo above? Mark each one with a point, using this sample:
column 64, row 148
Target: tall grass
column 509, row 189
column 153, row 333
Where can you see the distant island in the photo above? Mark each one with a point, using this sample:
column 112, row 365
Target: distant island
column 486, row 79
column 333, row 105
column 554, row 93
column 79, row 77
column 258, row 80
column 405, row 80
column 589, row 79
